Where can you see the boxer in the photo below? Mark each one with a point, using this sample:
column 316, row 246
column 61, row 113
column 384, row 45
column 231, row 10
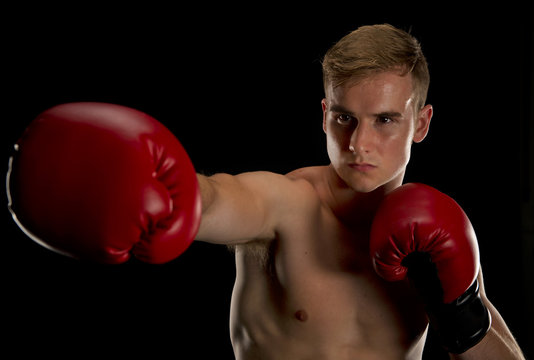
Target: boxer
column 333, row 262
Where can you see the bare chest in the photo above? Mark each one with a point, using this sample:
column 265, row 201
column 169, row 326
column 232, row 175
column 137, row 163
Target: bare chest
column 316, row 288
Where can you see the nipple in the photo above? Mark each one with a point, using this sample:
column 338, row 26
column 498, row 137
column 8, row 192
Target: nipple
column 301, row 315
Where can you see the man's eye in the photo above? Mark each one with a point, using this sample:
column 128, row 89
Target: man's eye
column 385, row 120
column 343, row 119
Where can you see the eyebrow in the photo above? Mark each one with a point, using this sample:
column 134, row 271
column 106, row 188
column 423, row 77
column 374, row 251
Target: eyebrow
column 389, row 114
column 341, row 109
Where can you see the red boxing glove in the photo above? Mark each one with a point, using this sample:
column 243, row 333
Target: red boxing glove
column 101, row 182
column 422, row 233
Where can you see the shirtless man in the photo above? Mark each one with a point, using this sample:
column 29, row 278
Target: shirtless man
column 307, row 285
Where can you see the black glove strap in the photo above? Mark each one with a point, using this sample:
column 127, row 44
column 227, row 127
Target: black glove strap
column 460, row 324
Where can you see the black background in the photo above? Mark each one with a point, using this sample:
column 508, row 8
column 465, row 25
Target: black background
column 241, row 88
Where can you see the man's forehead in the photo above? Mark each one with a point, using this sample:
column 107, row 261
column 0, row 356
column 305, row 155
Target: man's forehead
column 387, row 87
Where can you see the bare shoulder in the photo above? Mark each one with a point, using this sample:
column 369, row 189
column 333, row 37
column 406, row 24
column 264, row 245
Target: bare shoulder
column 309, row 181
column 277, row 186
column 312, row 174
column 291, row 201
column 288, row 197
column 313, row 177
column 297, row 183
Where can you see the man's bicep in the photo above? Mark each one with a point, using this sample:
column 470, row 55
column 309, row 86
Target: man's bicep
column 240, row 207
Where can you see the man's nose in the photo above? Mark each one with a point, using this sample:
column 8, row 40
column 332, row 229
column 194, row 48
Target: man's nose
column 361, row 139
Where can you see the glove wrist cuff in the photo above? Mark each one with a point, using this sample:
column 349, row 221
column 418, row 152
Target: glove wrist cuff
column 463, row 323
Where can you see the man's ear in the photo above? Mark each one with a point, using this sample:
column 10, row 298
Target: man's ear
column 422, row 123
column 324, row 106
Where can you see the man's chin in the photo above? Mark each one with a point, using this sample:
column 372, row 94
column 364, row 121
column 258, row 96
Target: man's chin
column 367, row 187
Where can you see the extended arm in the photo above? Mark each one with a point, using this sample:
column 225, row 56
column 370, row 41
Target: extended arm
column 249, row 206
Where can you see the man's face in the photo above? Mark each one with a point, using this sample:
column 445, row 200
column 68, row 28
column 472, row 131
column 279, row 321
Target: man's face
column 370, row 127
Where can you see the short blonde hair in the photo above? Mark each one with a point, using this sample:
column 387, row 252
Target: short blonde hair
column 372, row 49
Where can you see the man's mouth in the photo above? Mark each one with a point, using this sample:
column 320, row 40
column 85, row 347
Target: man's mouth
column 363, row 166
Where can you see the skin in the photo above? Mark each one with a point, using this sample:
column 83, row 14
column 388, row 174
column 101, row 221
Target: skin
column 305, row 285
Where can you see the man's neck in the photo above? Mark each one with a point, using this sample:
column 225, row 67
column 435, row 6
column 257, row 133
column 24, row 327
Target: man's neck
column 350, row 206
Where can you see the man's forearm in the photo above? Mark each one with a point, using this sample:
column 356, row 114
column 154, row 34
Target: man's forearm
column 498, row 344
